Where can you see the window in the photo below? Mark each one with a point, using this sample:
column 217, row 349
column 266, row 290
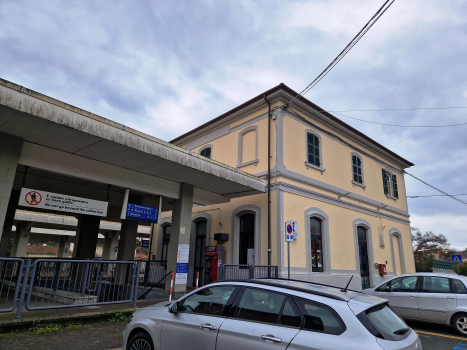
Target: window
column 357, row 169
column 404, row 284
column 390, row 184
column 206, row 152
column 165, row 243
column 382, row 288
column 320, row 318
column 459, row 287
column 209, row 301
column 290, row 317
column 383, row 323
column 436, row 285
column 313, row 150
column 316, row 240
column 260, row 305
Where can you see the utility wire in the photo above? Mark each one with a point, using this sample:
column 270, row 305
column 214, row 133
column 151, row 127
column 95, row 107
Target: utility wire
column 344, row 52
column 437, row 195
column 401, row 126
column 394, row 109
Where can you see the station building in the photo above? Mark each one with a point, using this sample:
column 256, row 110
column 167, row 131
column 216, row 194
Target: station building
column 345, row 191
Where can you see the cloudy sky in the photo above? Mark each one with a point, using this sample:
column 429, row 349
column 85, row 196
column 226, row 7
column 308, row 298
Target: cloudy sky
column 165, row 67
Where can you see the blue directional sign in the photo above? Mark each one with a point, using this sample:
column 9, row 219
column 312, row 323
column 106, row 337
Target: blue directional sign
column 182, row 268
column 456, row 259
column 139, row 212
column 145, row 243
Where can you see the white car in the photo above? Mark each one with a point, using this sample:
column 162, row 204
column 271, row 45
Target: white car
column 431, row 297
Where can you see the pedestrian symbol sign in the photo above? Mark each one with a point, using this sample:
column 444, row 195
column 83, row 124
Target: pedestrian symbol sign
column 456, row 259
column 33, row 198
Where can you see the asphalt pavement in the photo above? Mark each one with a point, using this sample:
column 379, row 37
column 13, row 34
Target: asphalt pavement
column 438, row 337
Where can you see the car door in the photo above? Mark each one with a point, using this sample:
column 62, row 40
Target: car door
column 436, row 298
column 261, row 319
column 403, row 296
column 196, row 324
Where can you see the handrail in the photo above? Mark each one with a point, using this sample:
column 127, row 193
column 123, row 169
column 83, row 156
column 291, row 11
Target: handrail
column 143, row 296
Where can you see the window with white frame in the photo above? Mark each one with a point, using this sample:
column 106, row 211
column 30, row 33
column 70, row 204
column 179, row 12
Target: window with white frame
column 390, row 184
column 357, row 169
column 206, row 152
column 313, row 149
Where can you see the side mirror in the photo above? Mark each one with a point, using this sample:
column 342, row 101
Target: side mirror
column 173, row 309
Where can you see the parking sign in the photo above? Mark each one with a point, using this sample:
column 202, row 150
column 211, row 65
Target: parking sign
column 289, row 231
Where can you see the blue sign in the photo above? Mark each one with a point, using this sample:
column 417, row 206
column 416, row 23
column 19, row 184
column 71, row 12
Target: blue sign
column 182, row 268
column 456, row 259
column 139, row 212
column 145, row 244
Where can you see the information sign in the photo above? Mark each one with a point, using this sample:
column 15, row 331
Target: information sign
column 139, row 212
column 181, row 274
column 145, row 244
column 456, row 259
column 61, row 202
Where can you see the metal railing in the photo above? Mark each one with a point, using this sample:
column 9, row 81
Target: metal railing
column 11, row 273
column 153, row 272
column 245, row 272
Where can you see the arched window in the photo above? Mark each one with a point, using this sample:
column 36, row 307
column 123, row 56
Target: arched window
column 316, row 240
column 206, row 152
column 313, row 149
column 390, row 184
column 165, row 242
column 247, row 240
column 357, row 169
column 248, row 146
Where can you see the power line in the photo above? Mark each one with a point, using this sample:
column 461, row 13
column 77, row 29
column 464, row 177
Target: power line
column 394, row 109
column 344, row 52
column 437, row 195
column 401, row 126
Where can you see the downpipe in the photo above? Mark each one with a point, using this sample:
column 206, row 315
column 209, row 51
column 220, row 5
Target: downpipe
column 269, row 179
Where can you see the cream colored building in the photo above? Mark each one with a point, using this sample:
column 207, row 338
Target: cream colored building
column 345, row 190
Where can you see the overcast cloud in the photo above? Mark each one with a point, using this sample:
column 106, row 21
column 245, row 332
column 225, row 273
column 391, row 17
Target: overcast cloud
column 165, row 67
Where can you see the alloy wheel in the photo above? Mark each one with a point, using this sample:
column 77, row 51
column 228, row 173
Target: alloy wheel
column 461, row 324
column 141, row 344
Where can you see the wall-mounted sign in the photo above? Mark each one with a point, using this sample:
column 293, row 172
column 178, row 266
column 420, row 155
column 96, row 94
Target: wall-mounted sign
column 61, row 202
column 141, row 213
column 145, row 243
column 181, row 274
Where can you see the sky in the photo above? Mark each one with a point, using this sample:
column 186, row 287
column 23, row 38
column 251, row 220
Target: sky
column 166, row 67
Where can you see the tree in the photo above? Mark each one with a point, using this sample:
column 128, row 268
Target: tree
column 427, row 243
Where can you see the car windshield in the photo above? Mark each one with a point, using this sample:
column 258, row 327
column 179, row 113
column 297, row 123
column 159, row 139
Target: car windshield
column 382, row 322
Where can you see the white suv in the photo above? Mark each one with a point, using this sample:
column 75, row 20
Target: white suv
column 431, row 297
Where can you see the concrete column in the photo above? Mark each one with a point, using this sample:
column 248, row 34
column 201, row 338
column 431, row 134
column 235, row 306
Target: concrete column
column 64, row 247
column 181, row 231
column 21, row 240
column 155, row 240
column 110, row 242
column 86, row 236
column 127, row 241
column 10, row 149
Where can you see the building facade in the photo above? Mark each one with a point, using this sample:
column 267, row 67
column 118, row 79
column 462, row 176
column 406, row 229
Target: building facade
column 345, row 191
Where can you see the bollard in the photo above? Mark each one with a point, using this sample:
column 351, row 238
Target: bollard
column 171, row 286
column 197, row 279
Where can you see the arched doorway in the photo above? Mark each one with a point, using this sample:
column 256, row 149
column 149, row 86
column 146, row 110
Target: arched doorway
column 165, row 243
column 247, row 240
column 200, row 246
column 363, row 256
column 316, row 240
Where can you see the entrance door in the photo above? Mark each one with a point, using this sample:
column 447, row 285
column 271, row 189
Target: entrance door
column 200, row 246
column 363, row 257
column 247, row 240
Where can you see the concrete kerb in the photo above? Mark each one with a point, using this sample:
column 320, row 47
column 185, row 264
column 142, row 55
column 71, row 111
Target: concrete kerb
column 8, row 321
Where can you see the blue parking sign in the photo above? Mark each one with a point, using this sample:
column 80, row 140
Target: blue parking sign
column 456, row 259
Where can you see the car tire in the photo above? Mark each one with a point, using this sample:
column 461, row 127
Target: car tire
column 460, row 324
column 140, row 341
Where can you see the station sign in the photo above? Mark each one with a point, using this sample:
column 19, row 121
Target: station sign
column 61, row 202
column 141, row 213
column 145, row 243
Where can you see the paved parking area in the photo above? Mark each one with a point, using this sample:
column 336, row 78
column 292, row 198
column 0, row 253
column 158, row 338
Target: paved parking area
column 438, row 337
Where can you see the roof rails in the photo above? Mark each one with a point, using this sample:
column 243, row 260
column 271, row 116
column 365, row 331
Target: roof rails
column 272, row 284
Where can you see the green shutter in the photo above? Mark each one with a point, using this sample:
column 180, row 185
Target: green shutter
column 394, row 185
column 385, row 183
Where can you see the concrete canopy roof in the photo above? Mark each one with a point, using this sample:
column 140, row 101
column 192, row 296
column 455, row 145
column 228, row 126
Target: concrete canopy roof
column 65, row 139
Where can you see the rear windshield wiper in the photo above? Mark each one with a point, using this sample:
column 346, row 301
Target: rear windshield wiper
column 401, row 331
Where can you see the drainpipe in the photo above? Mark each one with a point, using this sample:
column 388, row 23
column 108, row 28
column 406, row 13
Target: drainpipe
column 269, row 179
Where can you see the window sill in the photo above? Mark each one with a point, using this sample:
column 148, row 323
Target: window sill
column 308, row 165
column 391, row 197
column 254, row 161
column 358, row 184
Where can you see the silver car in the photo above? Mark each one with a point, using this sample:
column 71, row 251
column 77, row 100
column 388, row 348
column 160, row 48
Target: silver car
column 432, row 297
column 269, row 314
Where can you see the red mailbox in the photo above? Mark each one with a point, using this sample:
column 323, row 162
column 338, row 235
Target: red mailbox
column 382, row 269
column 214, row 257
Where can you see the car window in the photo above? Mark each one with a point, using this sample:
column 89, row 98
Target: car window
column 210, row 301
column 290, row 316
column 319, row 317
column 436, row 285
column 383, row 323
column 459, row 287
column 382, row 288
column 404, row 284
column 260, row 305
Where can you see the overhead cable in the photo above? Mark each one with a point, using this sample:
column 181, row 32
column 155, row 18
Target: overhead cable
column 438, row 195
column 395, row 109
column 344, row 52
